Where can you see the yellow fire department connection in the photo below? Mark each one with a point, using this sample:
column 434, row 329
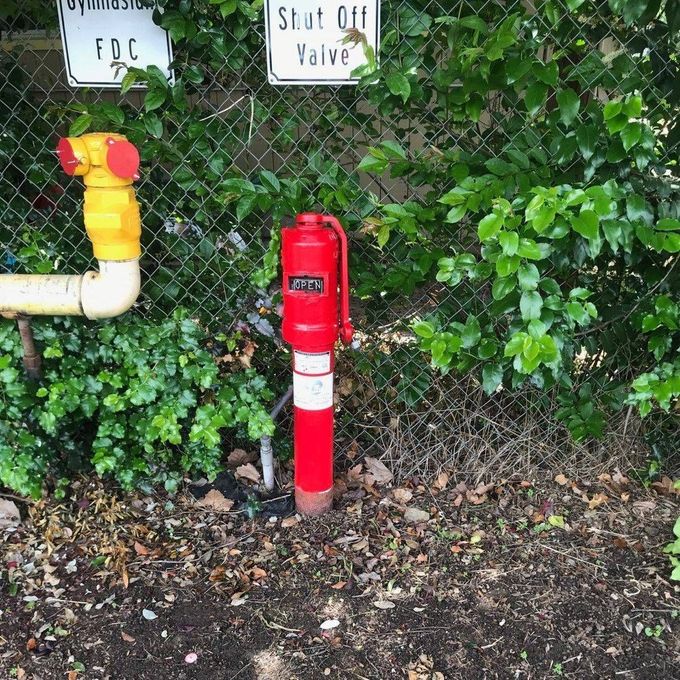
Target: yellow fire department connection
column 108, row 164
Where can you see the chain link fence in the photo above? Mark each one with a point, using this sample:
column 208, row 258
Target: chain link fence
column 205, row 238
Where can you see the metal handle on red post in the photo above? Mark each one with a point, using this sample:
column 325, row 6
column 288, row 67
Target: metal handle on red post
column 346, row 328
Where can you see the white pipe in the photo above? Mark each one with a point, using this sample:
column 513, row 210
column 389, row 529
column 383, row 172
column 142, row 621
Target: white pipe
column 267, row 458
column 97, row 295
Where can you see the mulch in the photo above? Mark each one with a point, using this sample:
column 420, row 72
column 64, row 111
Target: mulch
column 540, row 578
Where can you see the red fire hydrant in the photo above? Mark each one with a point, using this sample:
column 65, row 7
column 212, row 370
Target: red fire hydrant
column 311, row 325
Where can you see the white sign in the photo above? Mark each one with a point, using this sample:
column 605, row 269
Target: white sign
column 313, row 393
column 309, row 363
column 98, row 33
column 305, row 40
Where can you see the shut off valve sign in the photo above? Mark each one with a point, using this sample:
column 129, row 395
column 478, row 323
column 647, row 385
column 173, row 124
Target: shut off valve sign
column 305, row 40
column 102, row 37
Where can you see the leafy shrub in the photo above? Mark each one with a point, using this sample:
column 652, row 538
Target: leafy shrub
column 138, row 400
column 673, row 549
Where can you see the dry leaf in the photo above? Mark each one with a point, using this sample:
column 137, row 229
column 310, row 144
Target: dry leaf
column 379, row 471
column 240, row 457
column 561, row 479
column 402, row 496
column 72, row 675
column 339, row 585
column 619, row 478
column 665, row 486
column 140, row 549
column 644, row 506
column 217, row 574
column 247, row 353
column 289, row 522
column 214, row 500
column 416, row 515
column 257, row 573
column 249, row 472
column 384, row 604
column 441, row 482
column 126, row 637
column 597, row 500
column 9, row 514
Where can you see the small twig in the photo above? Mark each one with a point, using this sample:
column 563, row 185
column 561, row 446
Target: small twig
column 17, row 498
column 568, row 556
column 492, row 644
column 226, row 108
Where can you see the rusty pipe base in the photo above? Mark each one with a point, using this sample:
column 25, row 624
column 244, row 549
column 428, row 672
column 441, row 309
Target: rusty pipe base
column 313, row 503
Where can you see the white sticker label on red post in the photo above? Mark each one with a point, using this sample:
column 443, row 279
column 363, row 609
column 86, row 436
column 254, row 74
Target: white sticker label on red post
column 313, row 393
column 310, row 363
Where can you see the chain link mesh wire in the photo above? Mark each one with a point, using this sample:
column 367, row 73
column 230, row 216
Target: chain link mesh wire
column 198, row 254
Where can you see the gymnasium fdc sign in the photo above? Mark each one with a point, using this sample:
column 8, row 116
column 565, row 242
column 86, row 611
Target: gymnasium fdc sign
column 101, row 37
column 305, row 40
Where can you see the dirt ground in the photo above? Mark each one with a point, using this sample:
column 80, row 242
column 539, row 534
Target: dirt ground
column 540, row 578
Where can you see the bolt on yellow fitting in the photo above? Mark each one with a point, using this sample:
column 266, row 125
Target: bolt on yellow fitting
column 108, row 164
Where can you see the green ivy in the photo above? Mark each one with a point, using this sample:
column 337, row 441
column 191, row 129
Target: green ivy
column 140, row 401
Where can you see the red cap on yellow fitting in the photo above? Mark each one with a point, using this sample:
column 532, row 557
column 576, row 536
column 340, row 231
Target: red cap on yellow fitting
column 108, row 164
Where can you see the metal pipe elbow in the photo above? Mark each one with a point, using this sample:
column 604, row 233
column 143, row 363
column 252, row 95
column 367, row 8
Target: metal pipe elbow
column 112, row 290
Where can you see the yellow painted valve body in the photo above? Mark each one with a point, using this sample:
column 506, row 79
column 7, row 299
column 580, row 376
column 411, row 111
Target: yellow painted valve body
column 107, row 164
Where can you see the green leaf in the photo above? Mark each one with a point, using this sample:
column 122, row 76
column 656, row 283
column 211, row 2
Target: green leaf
column 393, row 150
column 548, row 73
column 154, row 99
column 578, row 313
column 372, row 164
column 490, row 226
column 80, row 125
column 129, row 79
column 528, row 276
column 398, row 84
column 424, row 329
column 668, row 224
column 574, row 4
column 543, row 218
column 637, row 209
column 270, row 181
column 472, row 333
column 492, row 377
column 228, row 7
column 507, row 264
column 475, row 23
column 530, row 305
column 535, row 98
column 515, row 345
column 502, row 287
column 617, row 124
column 586, row 137
column 633, row 107
column 569, row 104
column 586, row 223
column 153, row 125
column 413, row 22
column 612, row 109
column 383, row 235
column 193, row 74
column 499, row 167
column 114, row 113
column 530, row 249
column 509, row 241
column 630, row 135
column 456, row 214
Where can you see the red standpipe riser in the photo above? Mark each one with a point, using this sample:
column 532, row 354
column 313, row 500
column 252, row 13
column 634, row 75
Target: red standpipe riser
column 310, row 257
